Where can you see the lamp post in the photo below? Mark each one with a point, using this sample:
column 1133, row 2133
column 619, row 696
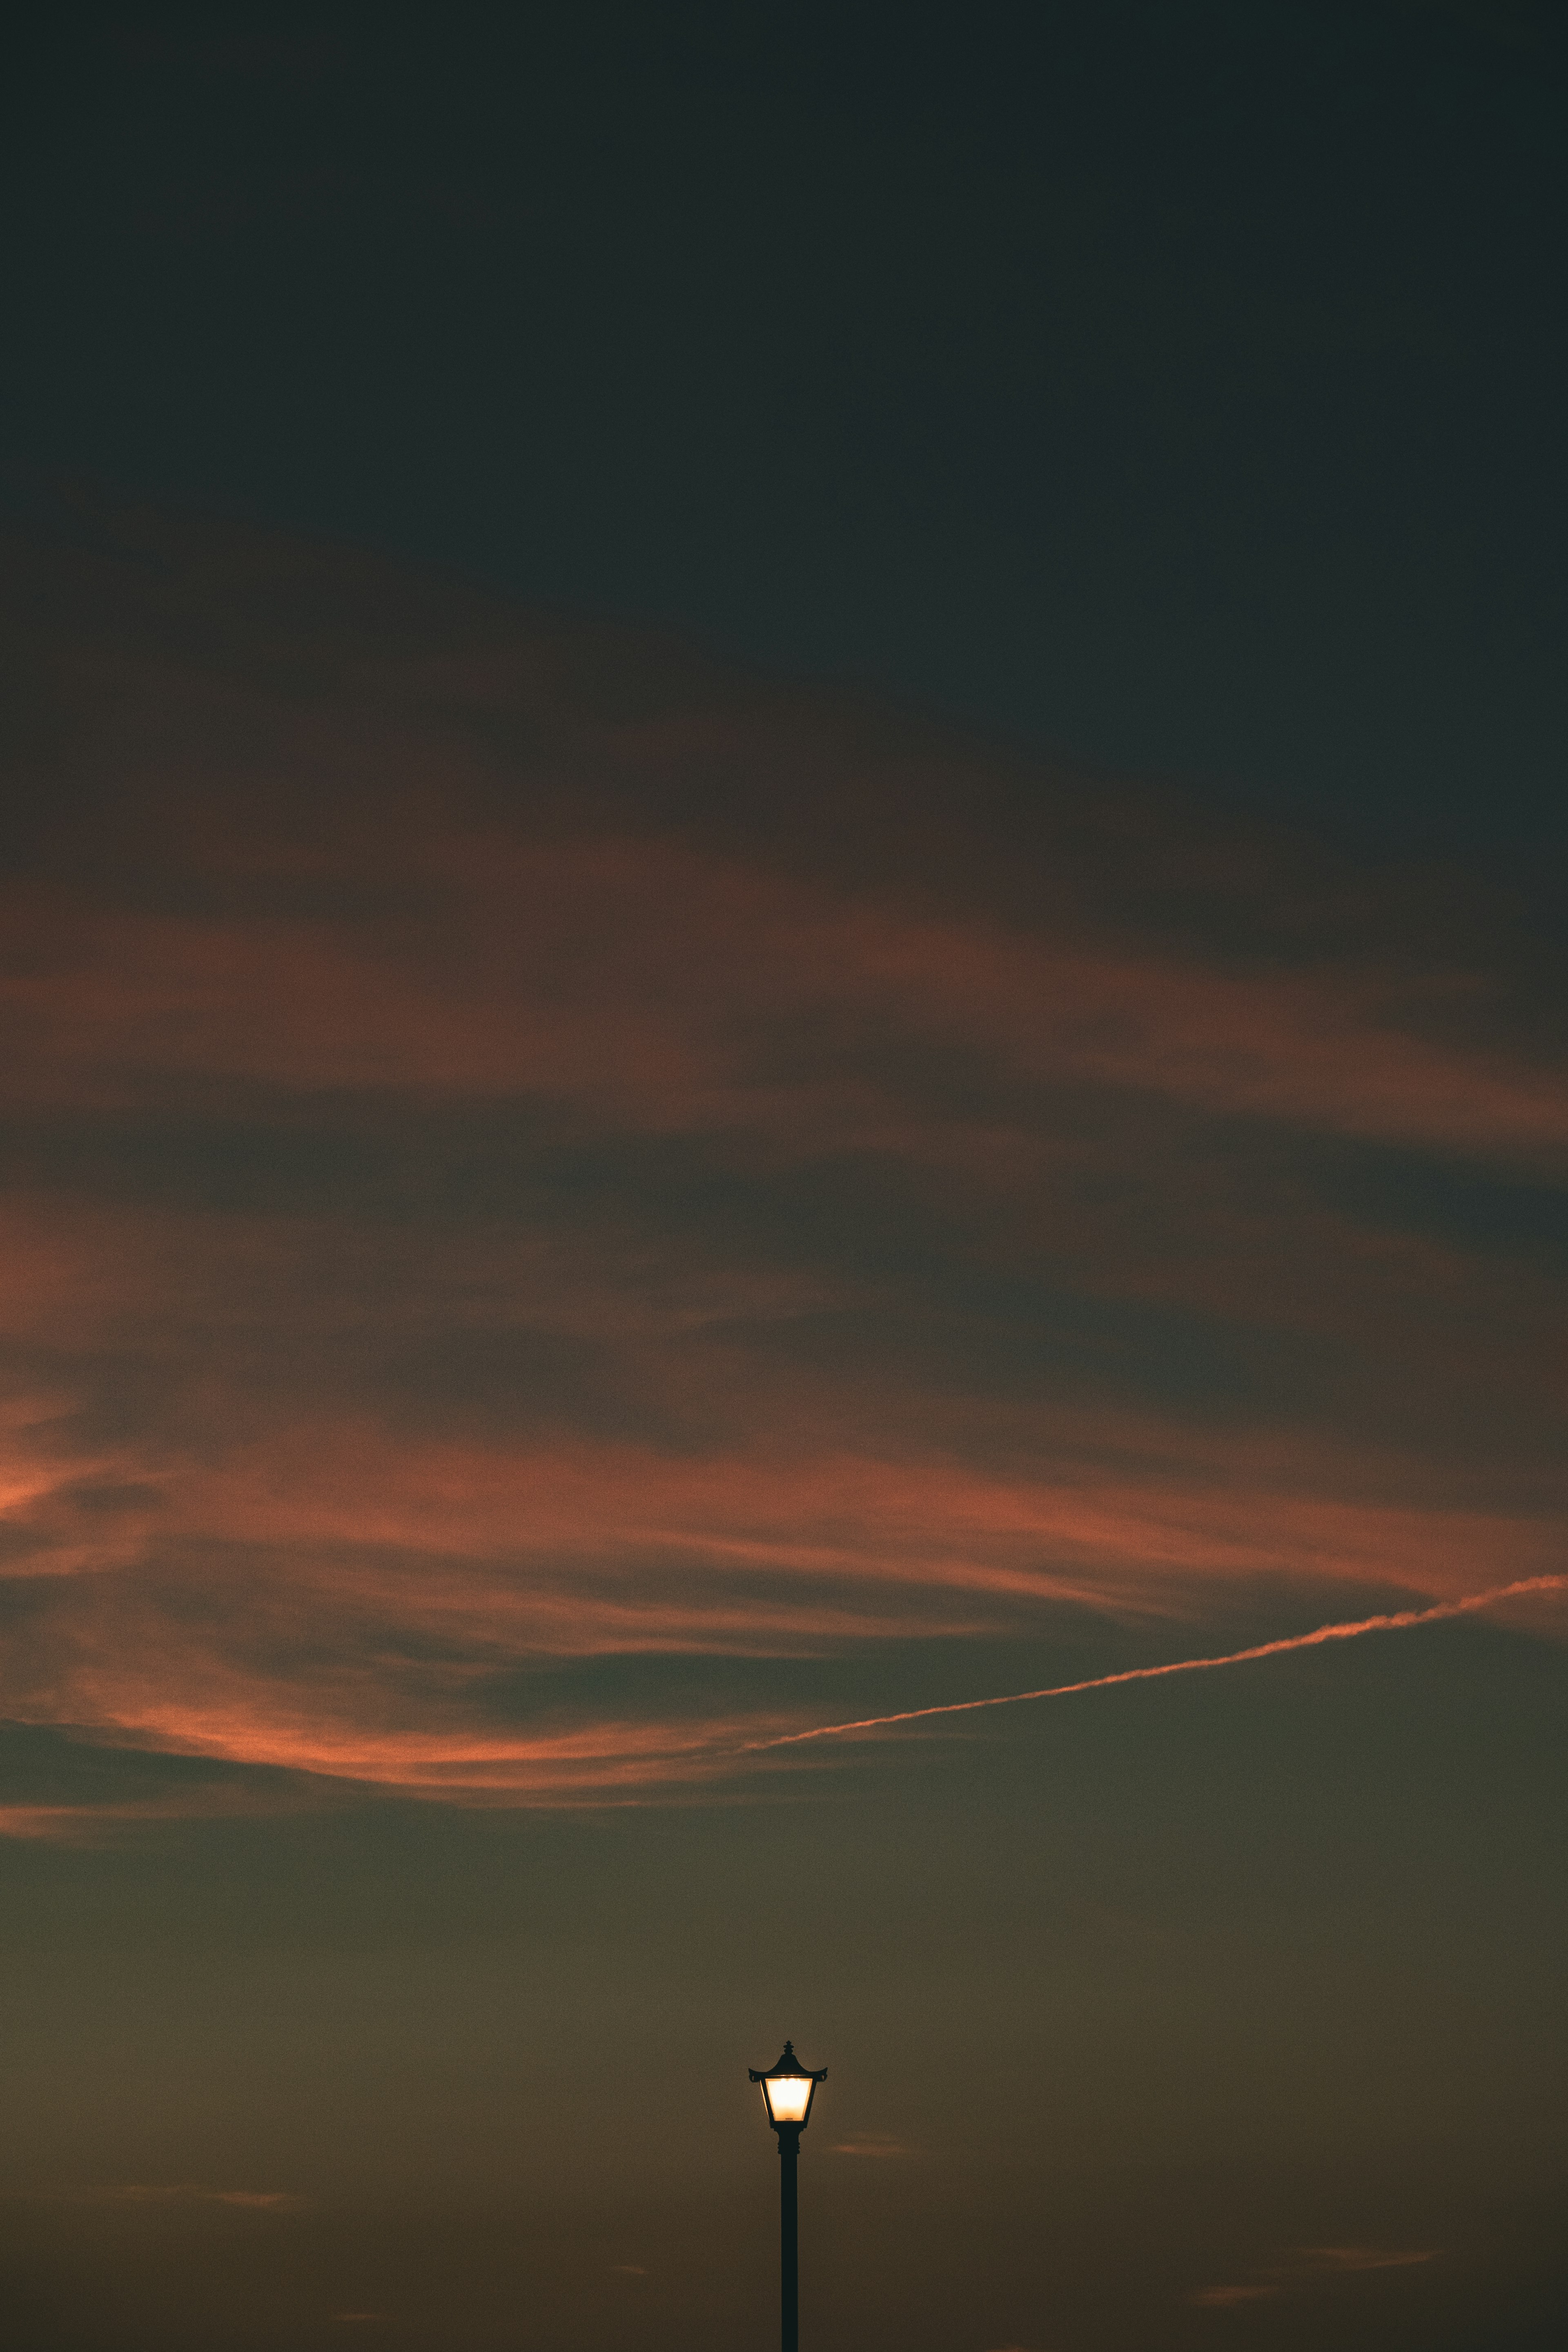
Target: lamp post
column 788, row 2090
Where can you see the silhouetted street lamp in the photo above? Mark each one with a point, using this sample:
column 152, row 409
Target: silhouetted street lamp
column 788, row 2090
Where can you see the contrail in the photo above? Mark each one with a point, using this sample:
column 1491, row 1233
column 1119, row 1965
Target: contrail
column 1346, row 1632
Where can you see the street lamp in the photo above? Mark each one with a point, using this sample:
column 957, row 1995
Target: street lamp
column 788, row 2090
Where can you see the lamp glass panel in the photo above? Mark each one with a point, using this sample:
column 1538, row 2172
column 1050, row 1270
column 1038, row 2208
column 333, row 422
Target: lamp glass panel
column 789, row 2095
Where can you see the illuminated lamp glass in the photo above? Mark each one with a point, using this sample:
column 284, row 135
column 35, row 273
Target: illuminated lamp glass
column 788, row 2089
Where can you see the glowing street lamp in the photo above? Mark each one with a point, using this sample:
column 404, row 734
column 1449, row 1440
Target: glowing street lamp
column 788, row 2090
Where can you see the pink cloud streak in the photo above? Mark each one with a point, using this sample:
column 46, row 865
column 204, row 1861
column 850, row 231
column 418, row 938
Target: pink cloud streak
column 1397, row 1620
column 643, row 982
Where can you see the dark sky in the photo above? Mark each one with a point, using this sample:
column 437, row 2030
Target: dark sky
column 780, row 941
column 1176, row 385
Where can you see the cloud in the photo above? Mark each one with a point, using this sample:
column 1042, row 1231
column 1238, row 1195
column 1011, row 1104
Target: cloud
column 660, row 988
column 420, row 1599
column 1305, row 2266
column 254, row 2200
column 1400, row 1621
column 1340, row 2261
column 523, row 1156
column 873, row 2143
column 88, row 1823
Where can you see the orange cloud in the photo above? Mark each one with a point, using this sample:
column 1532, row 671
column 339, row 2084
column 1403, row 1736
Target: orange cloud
column 408, row 1599
column 656, row 987
column 506, row 1169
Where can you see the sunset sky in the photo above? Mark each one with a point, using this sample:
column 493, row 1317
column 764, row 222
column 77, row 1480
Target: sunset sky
column 781, row 945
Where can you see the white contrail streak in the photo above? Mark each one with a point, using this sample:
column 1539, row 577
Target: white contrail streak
column 1346, row 1632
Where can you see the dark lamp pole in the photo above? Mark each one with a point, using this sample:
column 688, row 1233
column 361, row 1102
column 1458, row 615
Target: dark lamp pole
column 788, row 2090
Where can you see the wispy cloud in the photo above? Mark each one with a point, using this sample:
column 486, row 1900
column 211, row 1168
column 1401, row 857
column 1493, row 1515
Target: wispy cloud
column 1340, row 2261
column 1305, row 2266
column 482, row 1197
column 255, row 2201
column 1398, row 1621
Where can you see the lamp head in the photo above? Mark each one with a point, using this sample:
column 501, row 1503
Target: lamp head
column 788, row 2090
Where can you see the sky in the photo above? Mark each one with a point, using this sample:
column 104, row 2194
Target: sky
column 782, row 947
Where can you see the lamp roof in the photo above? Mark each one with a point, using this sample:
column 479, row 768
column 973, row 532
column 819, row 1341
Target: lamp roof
column 788, row 2064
